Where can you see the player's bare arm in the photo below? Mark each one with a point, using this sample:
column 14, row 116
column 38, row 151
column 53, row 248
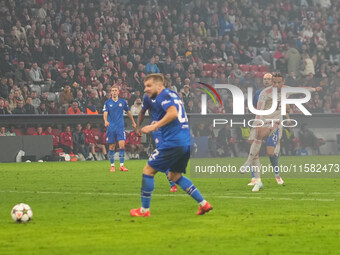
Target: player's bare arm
column 140, row 120
column 132, row 119
column 106, row 123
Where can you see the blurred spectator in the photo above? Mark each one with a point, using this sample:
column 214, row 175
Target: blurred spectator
column 11, row 103
column 52, row 109
column 134, row 144
column 66, row 97
column 42, row 109
column 3, row 108
column 3, row 131
column 136, row 107
column 92, row 140
column 82, row 103
column 66, row 140
column 29, row 108
column 20, row 108
column 39, row 131
column 35, row 100
column 36, row 75
column 4, row 90
column 308, row 139
column 151, row 67
column 79, row 142
column 226, row 142
column 74, row 109
column 49, row 131
column 288, row 142
column 91, row 108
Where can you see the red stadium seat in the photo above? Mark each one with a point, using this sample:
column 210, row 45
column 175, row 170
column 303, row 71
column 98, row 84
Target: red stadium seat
column 263, row 69
column 253, row 68
column 244, row 68
column 17, row 131
column 30, row 131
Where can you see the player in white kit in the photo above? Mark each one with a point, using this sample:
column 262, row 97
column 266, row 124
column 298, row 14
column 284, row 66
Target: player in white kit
column 270, row 125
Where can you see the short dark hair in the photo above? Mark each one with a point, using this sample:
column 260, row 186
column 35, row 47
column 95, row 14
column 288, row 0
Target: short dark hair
column 277, row 74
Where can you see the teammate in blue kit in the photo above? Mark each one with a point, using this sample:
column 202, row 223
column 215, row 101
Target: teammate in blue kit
column 114, row 121
column 150, row 104
column 174, row 152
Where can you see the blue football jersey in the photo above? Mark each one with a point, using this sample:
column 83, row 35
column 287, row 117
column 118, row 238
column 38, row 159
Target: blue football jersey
column 256, row 97
column 175, row 133
column 115, row 111
column 150, row 104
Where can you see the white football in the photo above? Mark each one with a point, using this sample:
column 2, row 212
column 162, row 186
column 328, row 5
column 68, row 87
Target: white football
column 22, row 213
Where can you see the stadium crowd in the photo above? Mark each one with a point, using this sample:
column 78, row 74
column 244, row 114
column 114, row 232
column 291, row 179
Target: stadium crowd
column 63, row 56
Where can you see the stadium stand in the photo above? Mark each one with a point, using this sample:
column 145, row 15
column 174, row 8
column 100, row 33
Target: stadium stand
column 202, row 39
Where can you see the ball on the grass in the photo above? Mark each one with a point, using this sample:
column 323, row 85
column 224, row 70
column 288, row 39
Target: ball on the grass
column 22, row 213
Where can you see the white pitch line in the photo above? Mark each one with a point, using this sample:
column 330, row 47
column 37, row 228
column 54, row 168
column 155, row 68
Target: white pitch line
column 163, row 195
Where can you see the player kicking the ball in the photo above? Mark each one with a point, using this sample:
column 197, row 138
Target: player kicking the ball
column 114, row 121
column 150, row 104
column 269, row 128
column 174, row 152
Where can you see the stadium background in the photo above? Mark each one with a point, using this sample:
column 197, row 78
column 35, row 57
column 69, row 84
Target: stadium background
column 91, row 45
column 81, row 207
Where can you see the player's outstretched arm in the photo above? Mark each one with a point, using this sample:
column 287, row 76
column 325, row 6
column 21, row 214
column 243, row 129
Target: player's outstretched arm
column 132, row 119
column 171, row 114
column 140, row 119
column 106, row 123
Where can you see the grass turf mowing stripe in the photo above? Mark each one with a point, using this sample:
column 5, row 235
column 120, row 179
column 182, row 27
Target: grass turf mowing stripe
column 162, row 195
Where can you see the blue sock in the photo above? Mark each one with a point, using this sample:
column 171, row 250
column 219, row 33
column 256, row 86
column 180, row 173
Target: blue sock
column 274, row 160
column 121, row 156
column 112, row 156
column 148, row 185
column 187, row 185
column 252, row 174
column 171, row 182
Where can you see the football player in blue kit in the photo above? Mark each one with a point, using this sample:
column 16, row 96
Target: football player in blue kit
column 114, row 121
column 174, row 152
column 150, row 104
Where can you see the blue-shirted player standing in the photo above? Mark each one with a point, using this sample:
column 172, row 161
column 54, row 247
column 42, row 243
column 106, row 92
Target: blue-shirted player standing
column 174, row 151
column 114, row 121
column 150, row 104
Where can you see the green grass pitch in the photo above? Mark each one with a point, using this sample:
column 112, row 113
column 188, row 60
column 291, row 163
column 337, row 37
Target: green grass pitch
column 82, row 208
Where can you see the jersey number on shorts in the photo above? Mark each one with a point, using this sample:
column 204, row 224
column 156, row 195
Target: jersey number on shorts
column 182, row 115
column 154, row 154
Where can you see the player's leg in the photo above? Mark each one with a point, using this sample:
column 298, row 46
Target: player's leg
column 111, row 141
column 121, row 144
column 175, row 175
column 148, row 185
column 272, row 152
column 257, row 175
column 261, row 133
column 173, row 186
column 251, row 139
